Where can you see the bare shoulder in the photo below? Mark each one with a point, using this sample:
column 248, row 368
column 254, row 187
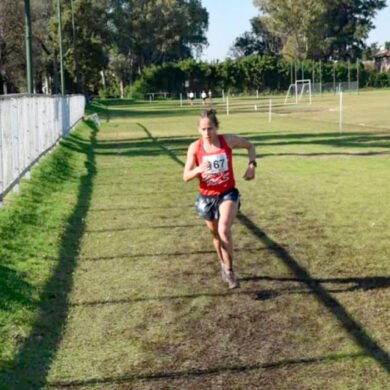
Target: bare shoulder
column 236, row 141
column 193, row 146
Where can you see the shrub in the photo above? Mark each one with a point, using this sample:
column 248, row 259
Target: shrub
column 379, row 80
column 110, row 92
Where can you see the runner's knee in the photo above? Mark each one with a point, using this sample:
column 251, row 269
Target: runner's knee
column 225, row 232
column 215, row 234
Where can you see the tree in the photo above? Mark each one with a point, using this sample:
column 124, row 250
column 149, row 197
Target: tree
column 260, row 40
column 120, row 66
column 291, row 21
column 12, row 49
column 93, row 39
column 370, row 51
column 319, row 29
column 158, row 31
column 344, row 27
column 118, row 36
column 196, row 73
column 45, row 62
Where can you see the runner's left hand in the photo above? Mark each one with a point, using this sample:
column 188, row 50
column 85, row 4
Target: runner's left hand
column 250, row 173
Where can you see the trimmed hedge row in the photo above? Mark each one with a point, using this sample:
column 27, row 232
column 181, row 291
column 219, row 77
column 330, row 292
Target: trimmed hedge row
column 263, row 73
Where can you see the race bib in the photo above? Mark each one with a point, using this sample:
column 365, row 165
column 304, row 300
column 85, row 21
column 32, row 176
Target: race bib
column 217, row 163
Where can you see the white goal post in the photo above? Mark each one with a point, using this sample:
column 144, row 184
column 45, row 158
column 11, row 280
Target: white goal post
column 297, row 90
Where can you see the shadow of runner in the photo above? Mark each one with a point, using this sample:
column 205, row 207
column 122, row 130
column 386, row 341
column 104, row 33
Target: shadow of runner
column 38, row 351
column 349, row 324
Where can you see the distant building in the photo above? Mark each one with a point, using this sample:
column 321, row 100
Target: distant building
column 382, row 61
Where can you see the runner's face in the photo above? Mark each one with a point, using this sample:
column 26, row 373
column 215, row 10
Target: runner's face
column 207, row 129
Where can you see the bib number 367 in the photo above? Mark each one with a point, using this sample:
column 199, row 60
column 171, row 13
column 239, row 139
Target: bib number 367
column 217, row 163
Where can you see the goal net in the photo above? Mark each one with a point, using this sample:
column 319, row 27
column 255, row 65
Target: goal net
column 298, row 92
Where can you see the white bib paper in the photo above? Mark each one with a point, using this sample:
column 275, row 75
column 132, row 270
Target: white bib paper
column 218, row 163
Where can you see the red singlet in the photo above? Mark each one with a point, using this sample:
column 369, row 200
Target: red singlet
column 219, row 177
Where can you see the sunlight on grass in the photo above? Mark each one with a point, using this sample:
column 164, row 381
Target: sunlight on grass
column 147, row 307
column 31, row 229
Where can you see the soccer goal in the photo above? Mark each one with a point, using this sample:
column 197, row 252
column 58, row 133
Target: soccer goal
column 298, row 90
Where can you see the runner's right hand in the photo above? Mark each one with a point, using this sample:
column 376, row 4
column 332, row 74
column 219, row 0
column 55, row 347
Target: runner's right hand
column 204, row 166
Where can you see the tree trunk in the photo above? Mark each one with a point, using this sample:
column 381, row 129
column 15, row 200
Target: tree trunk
column 46, row 85
column 122, row 89
column 56, row 88
column 103, row 78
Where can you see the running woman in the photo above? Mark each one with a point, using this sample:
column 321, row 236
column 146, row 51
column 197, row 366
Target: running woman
column 210, row 160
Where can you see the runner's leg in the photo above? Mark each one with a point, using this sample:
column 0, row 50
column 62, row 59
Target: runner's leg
column 213, row 227
column 227, row 211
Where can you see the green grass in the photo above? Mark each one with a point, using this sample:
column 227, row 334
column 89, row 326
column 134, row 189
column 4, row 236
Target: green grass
column 38, row 230
column 130, row 286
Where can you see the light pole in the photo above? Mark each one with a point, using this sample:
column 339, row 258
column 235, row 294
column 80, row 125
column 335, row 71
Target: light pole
column 29, row 63
column 61, row 48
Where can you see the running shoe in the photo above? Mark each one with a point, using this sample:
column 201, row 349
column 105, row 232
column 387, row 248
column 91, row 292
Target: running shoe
column 231, row 279
column 223, row 273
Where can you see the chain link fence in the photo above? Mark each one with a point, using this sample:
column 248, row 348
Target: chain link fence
column 30, row 126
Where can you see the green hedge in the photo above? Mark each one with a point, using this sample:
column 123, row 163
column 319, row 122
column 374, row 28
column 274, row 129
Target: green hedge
column 379, row 80
column 263, row 73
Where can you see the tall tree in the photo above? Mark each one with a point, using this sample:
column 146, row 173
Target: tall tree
column 86, row 41
column 345, row 26
column 370, row 51
column 120, row 66
column 12, row 49
column 124, row 35
column 291, row 21
column 156, row 31
column 319, row 29
column 43, row 52
column 259, row 41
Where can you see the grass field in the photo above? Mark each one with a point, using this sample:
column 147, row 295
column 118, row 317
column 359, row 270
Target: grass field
column 112, row 282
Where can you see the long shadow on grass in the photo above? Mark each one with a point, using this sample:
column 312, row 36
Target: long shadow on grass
column 164, row 255
column 350, row 325
column 348, row 139
column 143, row 227
column 167, row 151
column 362, row 284
column 150, row 111
column 364, row 143
column 166, row 298
column 39, row 349
column 137, row 208
column 339, row 285
column 199, row 373
column 321, row 154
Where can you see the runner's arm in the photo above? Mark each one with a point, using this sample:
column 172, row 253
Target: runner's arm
column 191, row 170
column 239, row 142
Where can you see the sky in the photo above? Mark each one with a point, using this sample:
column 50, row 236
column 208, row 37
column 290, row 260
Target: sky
column 229, row 19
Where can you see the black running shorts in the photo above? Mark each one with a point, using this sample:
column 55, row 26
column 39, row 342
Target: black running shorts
column 208, row 206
